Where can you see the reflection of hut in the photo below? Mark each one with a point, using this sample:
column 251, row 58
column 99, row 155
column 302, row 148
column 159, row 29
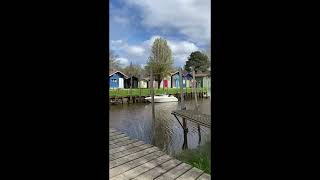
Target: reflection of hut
column 127, row 82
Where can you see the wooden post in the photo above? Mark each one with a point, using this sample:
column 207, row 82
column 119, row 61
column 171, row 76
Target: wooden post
column 196, row 106
column 151, row 88
column 194, row 89
column 131, row 89
column 152, row 98
column 139, row 82
column 185, row 128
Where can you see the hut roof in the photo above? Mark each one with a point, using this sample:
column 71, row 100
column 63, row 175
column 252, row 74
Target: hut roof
column 202, row 74
column 115, row 71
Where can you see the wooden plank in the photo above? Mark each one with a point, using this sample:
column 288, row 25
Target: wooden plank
column 114, row 133
column 157, row 171
column 118, row 140
column 117, row 137
column 112, row 130
column 175, row 172
column 136, row 155
column 194, row 116
column 122, row 148
column 129, row 151
column 142, row 168
column 204, row 177
column 192, row 174
column 122, row 143
column 131, row 158
column 134, row 163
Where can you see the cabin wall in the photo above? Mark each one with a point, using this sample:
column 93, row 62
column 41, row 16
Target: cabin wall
column 134, row 83
column 175, row 82
column 206, row 82
column 114, row 80
column 169, row 82
column 143, row 84
column 199, row 82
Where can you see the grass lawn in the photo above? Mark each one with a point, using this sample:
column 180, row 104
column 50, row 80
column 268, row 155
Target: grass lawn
column 147, row 91
column 199, row 158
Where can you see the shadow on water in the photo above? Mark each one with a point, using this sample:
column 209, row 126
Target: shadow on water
column 165, row 132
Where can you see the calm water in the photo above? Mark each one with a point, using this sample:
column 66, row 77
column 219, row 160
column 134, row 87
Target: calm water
column 166, row 133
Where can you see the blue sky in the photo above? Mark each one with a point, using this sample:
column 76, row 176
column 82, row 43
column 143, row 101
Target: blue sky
column 134, row 24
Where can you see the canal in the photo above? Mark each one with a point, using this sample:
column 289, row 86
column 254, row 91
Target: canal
column 165, row 132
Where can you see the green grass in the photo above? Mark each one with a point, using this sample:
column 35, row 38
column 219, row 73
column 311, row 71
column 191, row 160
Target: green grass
column 147, row 91
column 199, row 158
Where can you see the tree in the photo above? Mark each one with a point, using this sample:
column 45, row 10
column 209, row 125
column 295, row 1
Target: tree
column 160, row 61
column 199, row 61
column 114, row 63
column 133, row 70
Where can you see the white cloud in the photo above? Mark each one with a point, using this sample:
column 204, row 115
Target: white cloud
column 118, row 44
column 130, row 50
column 135, row 51
column 120, row 20
column 139, row 53
column 189, row 17
column 123, row 61
column 180, row 49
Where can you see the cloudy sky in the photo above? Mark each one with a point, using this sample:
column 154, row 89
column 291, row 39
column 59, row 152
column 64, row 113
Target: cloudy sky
column 135, row 24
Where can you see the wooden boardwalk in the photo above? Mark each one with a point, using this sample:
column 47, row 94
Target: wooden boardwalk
column 194, row 116
column 133, row 159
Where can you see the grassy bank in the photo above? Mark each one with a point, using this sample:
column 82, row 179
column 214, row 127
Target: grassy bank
column 147, row 91
column 199, row 158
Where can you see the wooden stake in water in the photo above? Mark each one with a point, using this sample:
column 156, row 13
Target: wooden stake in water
column 185, row 128
column 153, row 111
column 131, row 90
column 194, row 89
column 196, row 106
column 152, row 97
column 139, row 82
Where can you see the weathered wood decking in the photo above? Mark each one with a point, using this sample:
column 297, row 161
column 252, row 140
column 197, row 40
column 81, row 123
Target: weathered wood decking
column 133, row 159
column 194, row 116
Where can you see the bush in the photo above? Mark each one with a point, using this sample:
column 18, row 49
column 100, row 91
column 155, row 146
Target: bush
column 199, row 158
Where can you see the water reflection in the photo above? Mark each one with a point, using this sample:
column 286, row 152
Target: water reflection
column 165, row 132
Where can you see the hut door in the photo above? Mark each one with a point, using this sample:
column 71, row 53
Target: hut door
column 177, row 82
column 166, row 83
column 120, row 82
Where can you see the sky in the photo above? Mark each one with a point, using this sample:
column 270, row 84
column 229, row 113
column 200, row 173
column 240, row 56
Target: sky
column 135, row 24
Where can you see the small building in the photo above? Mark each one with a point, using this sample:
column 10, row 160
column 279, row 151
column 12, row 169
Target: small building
column 203, row 80
column 143, row 83
column 186, row 78
column 116, row 79
column 166, row 82
column 127, row 82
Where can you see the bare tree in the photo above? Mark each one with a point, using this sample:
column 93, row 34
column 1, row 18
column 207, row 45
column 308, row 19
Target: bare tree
column 114, row 63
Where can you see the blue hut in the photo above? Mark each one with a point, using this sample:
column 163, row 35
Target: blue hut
column 186, row 77
column 116, row 79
